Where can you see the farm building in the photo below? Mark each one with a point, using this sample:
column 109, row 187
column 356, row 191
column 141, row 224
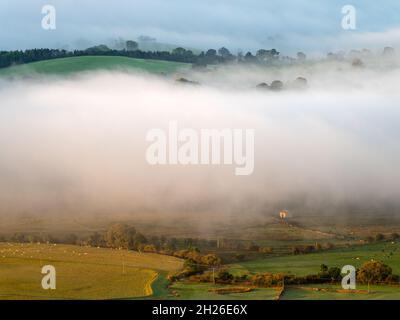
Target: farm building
column 283, row 214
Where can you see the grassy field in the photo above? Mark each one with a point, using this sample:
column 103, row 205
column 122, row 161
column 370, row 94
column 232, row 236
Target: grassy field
column 82, row 272
column 300, row 265
column 199, row 291
column 192, row 291
column 376, row 293
column 92, row 63
column 387, row 252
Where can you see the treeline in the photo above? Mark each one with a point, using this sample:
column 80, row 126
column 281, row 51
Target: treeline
column 204, row 58
column 371, row 272
column 9, row 58
column 122, row 236
column 118, row 236
column 195, row 263
column 211, row 56
column 21, row 237
column 379, row 237
column 304, row 249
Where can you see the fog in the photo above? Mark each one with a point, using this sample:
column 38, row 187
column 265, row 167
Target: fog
column 76, row 146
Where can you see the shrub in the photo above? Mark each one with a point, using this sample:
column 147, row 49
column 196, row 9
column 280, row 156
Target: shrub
column 374, row 272
column 224, row 277
column 379, row 237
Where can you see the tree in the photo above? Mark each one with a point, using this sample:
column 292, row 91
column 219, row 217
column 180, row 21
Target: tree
column 211, row 57
column 123, row 236
column 373, row 272
column 379, row 237
column 192, row 266
column 323, row 271
column 211, row 260
column 267, row 279
column 149, row 248
column 318, row 246
column 71, row 239
column 357, row 62
column 253, row 247
column 172, row 244
column 117, row 236
column 240, row 56
column 301, row 56
column 96, row 240
column 268, row 250
column 394, row 236
column 224, row 53
column 330, row 245
column 276, row 85
column 132, row 45
column 267, row 55
column 334, row 273
column 19, row 237
column 296, row 250
column 240, row 257
column 300, row 83
column 263, row 86
column 101, row 48
column 249, row 57
column 263, row 279
column 262, row 54
column 211, row 53
column 224, row 276
column 323, row 268
column 137, row 240
column 179, row 51
column 369, row 239
column 389, row 52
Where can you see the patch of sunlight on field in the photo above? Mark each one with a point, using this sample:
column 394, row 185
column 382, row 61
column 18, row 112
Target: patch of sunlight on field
column 199, row 291
column 82, row 272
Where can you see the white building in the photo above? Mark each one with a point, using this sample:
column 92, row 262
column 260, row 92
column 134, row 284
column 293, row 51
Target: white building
column 283, row 214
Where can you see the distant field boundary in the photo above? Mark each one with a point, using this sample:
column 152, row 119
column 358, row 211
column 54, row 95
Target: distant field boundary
column 230, row 290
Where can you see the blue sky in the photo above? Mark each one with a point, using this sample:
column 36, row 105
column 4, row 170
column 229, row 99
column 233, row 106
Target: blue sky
column 288, row 25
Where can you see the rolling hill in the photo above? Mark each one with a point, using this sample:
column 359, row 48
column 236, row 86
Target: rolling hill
column 81, row 272
column 65, row 66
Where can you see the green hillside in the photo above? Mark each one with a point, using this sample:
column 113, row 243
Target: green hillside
column 90, row 63
column 82, row 272
column 387, row 252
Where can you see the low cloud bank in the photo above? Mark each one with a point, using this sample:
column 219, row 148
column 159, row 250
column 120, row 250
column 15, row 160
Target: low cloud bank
column 77, row 145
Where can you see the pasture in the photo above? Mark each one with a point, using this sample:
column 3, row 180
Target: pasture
column 82, row 272
column 304, row 264
column 376, row 293
column 200, row 291
column 66, row 66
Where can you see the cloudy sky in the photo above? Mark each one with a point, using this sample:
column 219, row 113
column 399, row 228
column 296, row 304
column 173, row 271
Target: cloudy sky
column 288, row 25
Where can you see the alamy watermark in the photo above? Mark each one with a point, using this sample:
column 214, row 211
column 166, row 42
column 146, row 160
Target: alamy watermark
column 188, row 146
column 49, row 18
column 349, row 20
column 49, row 280
column 349, row 279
